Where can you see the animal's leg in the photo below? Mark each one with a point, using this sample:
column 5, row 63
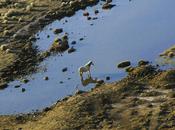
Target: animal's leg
column 89, row 73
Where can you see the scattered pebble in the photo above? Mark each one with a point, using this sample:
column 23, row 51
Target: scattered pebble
column 81, row 39
column 64, row 69
column 57, row 31
column 89, row 18
column 96, row 11
column 61, row 82
column 17, row 86
column 46, row 78
column 23, row 89
column 85, row 14
column 73, row 42
column 108, row 78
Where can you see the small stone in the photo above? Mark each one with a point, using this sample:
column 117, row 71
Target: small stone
column 89, row 18
column 48, row 36
column 73, row 42
column 96, row 11
column 85, row 14
column 46, row 78
column 61, row 82
column 64, row 69
column 108, row 78
column 81, row 39
column 17, row 86
column 57, row 31
column 124, row 64
column 23, row 90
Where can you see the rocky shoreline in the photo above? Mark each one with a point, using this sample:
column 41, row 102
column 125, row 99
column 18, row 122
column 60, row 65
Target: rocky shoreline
column 142, row 100
column 19, row 26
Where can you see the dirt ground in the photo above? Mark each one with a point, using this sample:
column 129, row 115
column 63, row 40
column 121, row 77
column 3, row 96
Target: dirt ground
column 144, row 100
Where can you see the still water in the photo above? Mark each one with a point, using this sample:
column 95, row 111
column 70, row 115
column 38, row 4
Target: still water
column 140, row 29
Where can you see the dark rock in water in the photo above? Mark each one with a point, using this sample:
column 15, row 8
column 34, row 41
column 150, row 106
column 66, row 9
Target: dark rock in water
column 48, row 36
column 57, row 31
column 96, row 11
column 23, row 90
column 89, row 18
column 108, row 78
column 143, row 62
column 72, row 49
column 107, row 6
column 46, row 78
column 94, row 18
column 85, row 14
column 124, row 64
column 17, row 86
column 81, row 39
column 61, row 82
column 64, row 69
column 73, row 42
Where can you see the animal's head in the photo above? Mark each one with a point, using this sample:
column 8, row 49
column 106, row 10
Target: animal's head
column 90, row 63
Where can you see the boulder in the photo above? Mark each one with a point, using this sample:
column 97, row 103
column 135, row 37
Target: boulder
column 124, row 64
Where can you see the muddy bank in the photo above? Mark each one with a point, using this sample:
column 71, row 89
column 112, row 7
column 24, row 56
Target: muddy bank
column 142, row 100
column 20, row 20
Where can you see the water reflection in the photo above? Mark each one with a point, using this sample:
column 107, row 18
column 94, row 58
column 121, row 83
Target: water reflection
column 88, row 80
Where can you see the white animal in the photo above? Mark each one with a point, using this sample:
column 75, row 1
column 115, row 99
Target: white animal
column 85, row 68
